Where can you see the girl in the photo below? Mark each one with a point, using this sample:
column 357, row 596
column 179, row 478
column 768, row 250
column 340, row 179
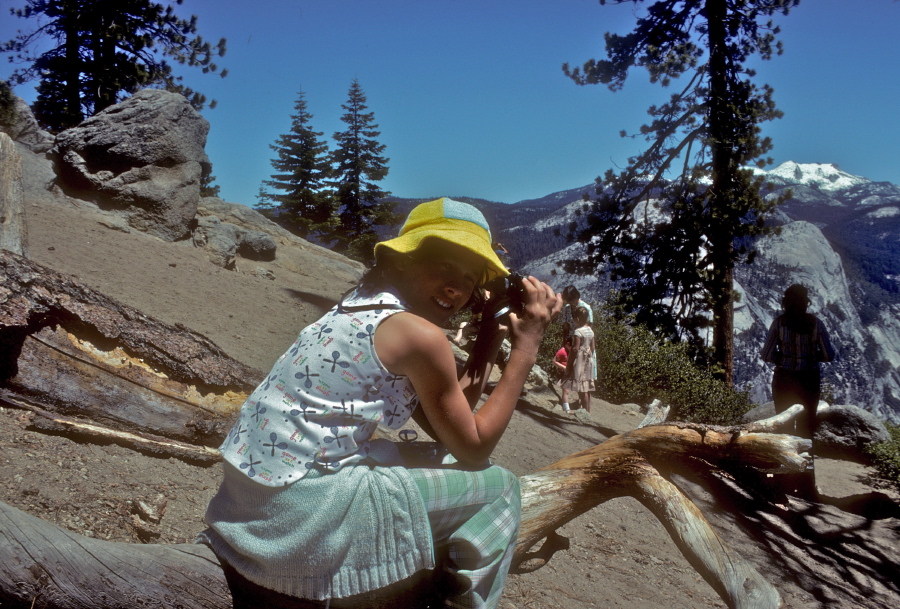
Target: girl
column 579, row 370
column 561, row 361
column 311, row 506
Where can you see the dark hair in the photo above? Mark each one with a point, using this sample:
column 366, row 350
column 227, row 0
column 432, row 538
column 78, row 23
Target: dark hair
column 582, row 314
column 570, row 292
column 795, row 304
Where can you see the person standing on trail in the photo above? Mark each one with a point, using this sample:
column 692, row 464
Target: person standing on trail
column 796, row 344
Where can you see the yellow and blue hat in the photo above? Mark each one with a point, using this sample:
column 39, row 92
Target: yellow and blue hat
column 452, row 221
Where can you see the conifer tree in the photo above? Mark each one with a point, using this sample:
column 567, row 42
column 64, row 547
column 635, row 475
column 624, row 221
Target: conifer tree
column 672, row 225
column 303, row 202
column 358, row 165
column 103, row 49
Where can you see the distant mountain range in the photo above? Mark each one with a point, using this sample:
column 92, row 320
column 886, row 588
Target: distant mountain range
column 840, row 236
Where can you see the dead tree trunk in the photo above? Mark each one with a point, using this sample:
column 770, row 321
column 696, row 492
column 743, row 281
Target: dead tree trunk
column 74, row 572
column 122, row 369
column 622, row 466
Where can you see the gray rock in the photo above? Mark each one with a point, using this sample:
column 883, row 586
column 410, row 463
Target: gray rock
column 760, row 412
column 25, row 130
column 38, row 176
column 844, row 432
column 257, row 245
column 219, row 239
column 144, row 157
column 264, row 273
column 224, row 240
column 114, row 222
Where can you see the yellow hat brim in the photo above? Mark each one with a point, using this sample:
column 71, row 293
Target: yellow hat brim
column 459, row 232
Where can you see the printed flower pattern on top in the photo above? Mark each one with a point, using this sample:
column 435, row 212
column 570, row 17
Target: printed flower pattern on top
column 323, row 399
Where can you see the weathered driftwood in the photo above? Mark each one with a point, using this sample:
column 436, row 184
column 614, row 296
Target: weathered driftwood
column 70, row 571
column 70, row 350
column 623, row 466
column 46, row 566
column 13, row 236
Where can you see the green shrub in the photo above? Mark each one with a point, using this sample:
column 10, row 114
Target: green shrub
column 633, row 365
column 886, row 456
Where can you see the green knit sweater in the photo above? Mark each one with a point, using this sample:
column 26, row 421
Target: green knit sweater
column 329, row 535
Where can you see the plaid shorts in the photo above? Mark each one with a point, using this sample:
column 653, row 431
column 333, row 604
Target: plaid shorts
column 474, row 518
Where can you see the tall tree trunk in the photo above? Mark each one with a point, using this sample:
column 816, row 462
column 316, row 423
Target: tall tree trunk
column 723, row 163
column 73, row 63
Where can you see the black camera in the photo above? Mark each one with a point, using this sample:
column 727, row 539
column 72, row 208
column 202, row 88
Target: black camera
column 506, row 296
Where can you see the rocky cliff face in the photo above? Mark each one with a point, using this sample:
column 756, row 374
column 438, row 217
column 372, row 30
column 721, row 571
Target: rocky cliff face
column 840, row 236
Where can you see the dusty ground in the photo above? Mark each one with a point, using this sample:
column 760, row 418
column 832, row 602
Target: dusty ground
column 830, row 554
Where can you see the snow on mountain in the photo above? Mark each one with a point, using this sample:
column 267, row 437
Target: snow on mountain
column 825, row 177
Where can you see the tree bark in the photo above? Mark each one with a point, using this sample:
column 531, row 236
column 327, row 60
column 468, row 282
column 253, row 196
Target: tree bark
column 122, row 369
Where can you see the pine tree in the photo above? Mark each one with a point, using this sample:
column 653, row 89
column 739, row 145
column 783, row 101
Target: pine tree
column 302, row 202
column 673, row 242
column 358, row 166
column 104, row 49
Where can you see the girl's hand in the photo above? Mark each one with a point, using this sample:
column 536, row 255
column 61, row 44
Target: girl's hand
column 541, row 306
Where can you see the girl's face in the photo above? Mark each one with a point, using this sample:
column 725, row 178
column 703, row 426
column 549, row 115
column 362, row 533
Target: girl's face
column 438, row 279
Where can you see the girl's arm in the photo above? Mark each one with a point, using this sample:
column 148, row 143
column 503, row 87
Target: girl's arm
column 576, row 343
column 412, row 346
column 475, row 373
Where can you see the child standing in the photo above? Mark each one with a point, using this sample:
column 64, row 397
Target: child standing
column 311, row 505
column 561, row 361
column 579, row 371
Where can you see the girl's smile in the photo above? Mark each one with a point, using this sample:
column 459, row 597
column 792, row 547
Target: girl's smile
column 438, row 279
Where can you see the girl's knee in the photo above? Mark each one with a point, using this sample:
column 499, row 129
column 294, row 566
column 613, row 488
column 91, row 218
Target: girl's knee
column 508, row 482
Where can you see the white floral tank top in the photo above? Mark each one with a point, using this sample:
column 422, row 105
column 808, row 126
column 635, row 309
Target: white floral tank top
column 323, row 399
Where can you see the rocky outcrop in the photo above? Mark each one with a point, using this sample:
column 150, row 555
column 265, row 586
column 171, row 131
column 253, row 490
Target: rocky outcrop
column 12, row 213
column 223, row 240
column 144, row 156
column 23, row 128
column 844, row 432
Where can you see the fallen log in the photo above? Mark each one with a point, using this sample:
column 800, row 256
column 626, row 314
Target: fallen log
column 622, row 466
column 35, row 555
column 121, row 368
column 46, row 566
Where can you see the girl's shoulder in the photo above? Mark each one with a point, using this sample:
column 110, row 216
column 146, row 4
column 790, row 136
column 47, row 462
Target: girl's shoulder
column 406, row 339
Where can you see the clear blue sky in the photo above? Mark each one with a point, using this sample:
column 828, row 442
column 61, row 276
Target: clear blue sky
column 471, row 100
